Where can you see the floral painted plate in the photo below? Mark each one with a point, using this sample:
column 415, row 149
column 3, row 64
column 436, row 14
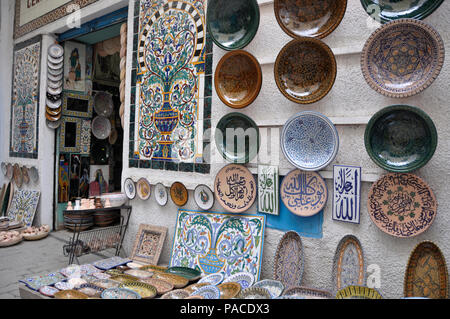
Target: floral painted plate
column 308, row 293
column 254, row 293
column 161, row 194
column 143, row 189
column 179, row 194
column 144, row 290
column 110, row 263
column 70, row 294
column 154, row 268
column 162, row 286
column 124, row 278
column 402, row 205
column 274, row 287
column 229, row 290
column 177, row 281
column 204, row 197
column 120, row 293
column 358, row 292
column 244, row 15
column 306, row 18
column 402, row 58
column 304, row 193
column 130, row 188
column 309, row 141
column 188, row 273
column 207, row 292
column 37, row 282
column 48, row 291
column 245, row 279
column 176, row 294
column 213, row 279
column 64, row 285
column 289, row 260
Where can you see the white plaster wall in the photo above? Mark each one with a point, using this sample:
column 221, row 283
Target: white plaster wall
column 350, row 104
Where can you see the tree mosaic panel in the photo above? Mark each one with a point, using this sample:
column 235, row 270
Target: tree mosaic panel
column 170, row 113
column 25, row 99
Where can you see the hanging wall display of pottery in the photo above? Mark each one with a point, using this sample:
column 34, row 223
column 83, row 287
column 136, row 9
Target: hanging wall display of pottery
column 123, row 61
column 402, row 205
column 235, row 188
column 268, row 189
column 55, row 75
column 409, row 64
column 346, row 193
column 289, row 260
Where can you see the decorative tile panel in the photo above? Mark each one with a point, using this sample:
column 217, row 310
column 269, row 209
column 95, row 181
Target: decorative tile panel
column 268, row 192
column 23, row 206
column 346, row 193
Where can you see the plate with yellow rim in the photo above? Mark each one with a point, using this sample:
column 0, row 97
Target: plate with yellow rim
column 146, row 291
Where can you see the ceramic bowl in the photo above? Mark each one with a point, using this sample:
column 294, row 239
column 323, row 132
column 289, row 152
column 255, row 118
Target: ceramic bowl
column 101, row 127
column 388, row 10
column 233, row 24
column 401, row 138
column 103, row 104
column 307, row 18
column 237, row 138
column 402, row 58
column 116, row 199
column 238, row 79
column 305, row 70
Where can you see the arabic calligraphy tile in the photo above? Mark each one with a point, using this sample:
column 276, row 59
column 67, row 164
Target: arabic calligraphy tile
column 268, row 195
column 346, row 193
column 304, row 193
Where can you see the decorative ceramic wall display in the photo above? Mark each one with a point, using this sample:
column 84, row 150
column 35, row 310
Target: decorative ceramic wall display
column 130, row 188
column 288, row 260
column 309, row 18
column 204, row 197
column 207, row 292
column 212, row 279
column 245, row 279
column 358, row 292
column 309, row 141
column 308, row 293
column 245, row 15
column 143, row 189
column 387, row 10
column 179, row 194
column 401, row 138
column 36, row 282
column 74, row 67
column 237, row 138
column 77, row 105
column 101, row 127
column 409, row 64
column 24, row 131
column 304, row 193
column 103, row 104
column 348, row 264
column 274, row 287
column 238, row 79
column 123, row 62
column 212, row 252
column 426, row 274
column 120, row 293
column 268, row 193
column 235, row 188
column 161, row 194
column 170, row 94
column 23, row 206
column 402, row 205
column 305, row 70
column 148, row 244
column 70, row 135
column 346, row 193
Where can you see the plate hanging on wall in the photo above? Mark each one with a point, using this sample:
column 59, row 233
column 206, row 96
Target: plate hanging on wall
column 179, row 194
column 54, row 105
column 4, row 169
column 54, row 85
column 204, row 197
column 18, row 177
column 34, row 174
column 289, row 261
column 55, row 61
column 103, row 104
column 55, row 51
column 54, row 91
column 55, row 78
column 53, row 125
column 55, row 70
column 130, row 188
column 101, row 127
column 161, row 194
column 143, row 189
column 9, row 171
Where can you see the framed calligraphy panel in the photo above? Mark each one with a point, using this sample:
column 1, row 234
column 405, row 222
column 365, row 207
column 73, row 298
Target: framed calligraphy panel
column 346, row 193
column 268, row 195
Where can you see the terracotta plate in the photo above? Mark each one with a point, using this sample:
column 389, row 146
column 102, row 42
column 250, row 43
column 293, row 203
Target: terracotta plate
column 402, row 58
column 304, row 193
column 288, row 260
column 402, row 205
column 358, row 292
column 305, row 70
column 18, row 177
column 235, row 188
column 238, row 79
column 426, row 274
column 143, row 189
column 306, row 18
column 179, row 194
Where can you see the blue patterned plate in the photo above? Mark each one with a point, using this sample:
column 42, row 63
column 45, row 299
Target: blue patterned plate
column 120, row 293
column 245, row 279
column 207, row 292
column 48, row 291
column 110, row 263
column 213, row 279
column 309, row 141
column 37, row 282
column 274, row 287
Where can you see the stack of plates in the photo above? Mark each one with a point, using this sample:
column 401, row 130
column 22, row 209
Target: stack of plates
column 123, row 59
column 55, row 65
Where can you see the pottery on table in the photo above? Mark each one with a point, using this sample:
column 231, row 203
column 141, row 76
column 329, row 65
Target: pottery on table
column 274, row 287
column 207, row 292
column 254, row 293
column 229, row 290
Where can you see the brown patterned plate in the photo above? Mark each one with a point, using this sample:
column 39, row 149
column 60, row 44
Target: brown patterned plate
column 238, row 79
column 402, row 205
column 348, row 267
column 306, row 18
column 305, row 70
column 138, row 273
column 143, row 189
column 70, row 294
column 162, row 286
column 235, row 188
column 289, row 261
column 179, row 194
column 26, row 176
column 177, row 281
column 176, row 294
column 402, row 58
column 154, row 268
column 426, row 274
column 18, row 177
column 308, row 293
column 192, row 288
column 124, row 278
column 229, row 290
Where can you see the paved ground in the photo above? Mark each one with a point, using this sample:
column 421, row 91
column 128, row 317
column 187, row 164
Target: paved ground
column 31, row 258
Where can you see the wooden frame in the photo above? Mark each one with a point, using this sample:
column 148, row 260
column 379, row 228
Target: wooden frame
column 149, row 255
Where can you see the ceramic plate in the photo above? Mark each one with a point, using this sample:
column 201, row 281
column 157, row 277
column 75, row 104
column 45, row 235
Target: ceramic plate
column 288, row 260
column 188, row 273
column 212, row 279
column 308, row 293
column 51, row 118
column 64, row 285
column 154, row 268
column 70, row 294
column 161, row 194
column 307, row 18
column 106, row 283
column 109, row 263
column 53, row 125
column 207, row 292
column 54, row 84
column 9, row 171
column 358, row 292
column 55, row 69
column 54, row 104
column 204, row 197
column 124, row 278
column 18, row 177
column 141, row 274
column 401, row 138
column 144, row 290
column 426, row 274
column 55, row 62
column 55, row 51
column 244, row 15
column 120, row 293
column 305, row 70
column 4, row 169
column 130, row 188
column 304, row 193
column 54, row 91
column 238, row 79
column 235, row 188
column 91, row 290
column 309, row 141
column 103, row 104
column 232, row 143
column 402, row 58
column 101, row 275
column 388, row 10
column 162, row 286
column 55, row 78
column 274, row 287
column 143, row 189
column 26, row 176
column 254, row 293
column 194, row 287
column 48, row 291
column 101, row 127
column 176, row 294
column 179, row 194
column 229, row 290
column 402, row 205
column 245, row 279
column 177, row 281
column 53, row 112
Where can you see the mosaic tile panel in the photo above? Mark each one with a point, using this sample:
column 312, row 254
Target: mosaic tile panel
column 25, row 99
column 23, row 206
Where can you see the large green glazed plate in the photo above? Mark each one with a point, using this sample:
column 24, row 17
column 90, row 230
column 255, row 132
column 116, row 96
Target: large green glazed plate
column 401, row 138
column 387, row 10
column 188, row 273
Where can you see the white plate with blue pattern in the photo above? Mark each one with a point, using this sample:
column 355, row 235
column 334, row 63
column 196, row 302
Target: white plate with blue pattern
column 213, row 279
column 245, row 279
column 207, row 292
